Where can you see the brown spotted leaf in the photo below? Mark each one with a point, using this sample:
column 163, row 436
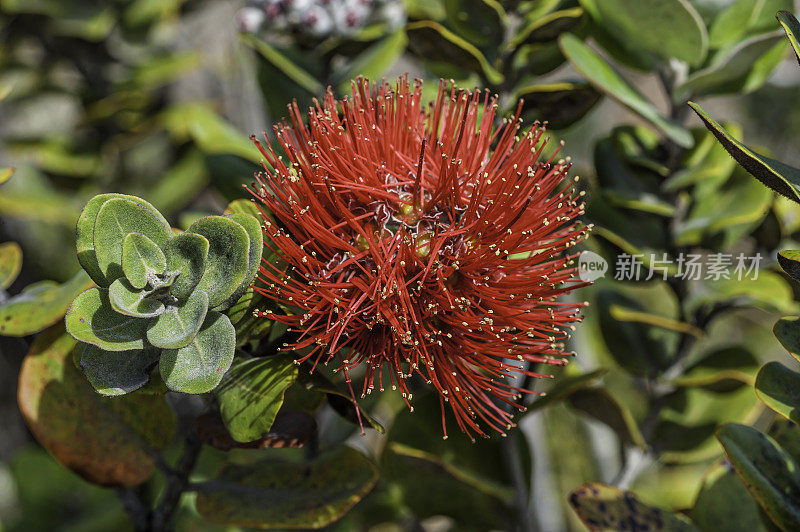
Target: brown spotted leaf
column 104, row 440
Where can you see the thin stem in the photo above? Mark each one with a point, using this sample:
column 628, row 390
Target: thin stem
column 514, row 470
column 135, row 507
column 177, row 484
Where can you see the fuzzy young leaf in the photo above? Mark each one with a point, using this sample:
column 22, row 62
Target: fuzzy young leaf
column 779, row 388
column 253, row 228
column 177, row 326
column 186, row 253
column 251, row 394
column 767, row 470
column 776, row 175
column 85, row 234
column 228, row 257
column 91, row 319
column 128, row 301
column 10, row 263
column 200, row 366
column 273, row 494
column 116, row 218
column 116, row 372
column 141, row 259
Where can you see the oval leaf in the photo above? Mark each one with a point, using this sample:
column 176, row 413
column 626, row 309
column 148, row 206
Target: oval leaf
column 116, row 372
column 787, row 331
column 91, row 319
column 131, row 302
column 768, row 472
column 251, row 393
column 10, row 263
column 186, row 253
column 600, row 74
column 723, row 503
column 200, row 366
column 604, row 507
column 252, row 225
column 792, row 29
column 228, row 257
column 776, row 175
column 790, row 262
column 178, row 325
column 98, row 438
column 85, row 234
column 116, row 218
column 40, row 305
column 273, row 494
column 141, row 259
column 779, row 388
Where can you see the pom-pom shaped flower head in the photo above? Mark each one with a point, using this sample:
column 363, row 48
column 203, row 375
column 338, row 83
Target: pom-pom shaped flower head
column 424, row 241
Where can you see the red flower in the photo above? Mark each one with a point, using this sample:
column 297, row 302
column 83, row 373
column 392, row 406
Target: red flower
column 422, row 240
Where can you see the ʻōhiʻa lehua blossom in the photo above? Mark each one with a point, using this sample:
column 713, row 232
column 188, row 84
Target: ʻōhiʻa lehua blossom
column 422, row 240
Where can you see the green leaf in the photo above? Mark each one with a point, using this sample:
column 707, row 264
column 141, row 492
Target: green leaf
column 537, row 29
column 186, row 253
column 228, row 257
column 639, row 348
column 706, row 162
column 10, row 263
column 341, row 401
column 790, row 262
column 289, row 68
column 131, row 302
column 738, row 202
column 602, row 405
column 726, row 67
column 251, row 393
column 769, row 291
column 787, row 331
column 275, row 494
column 40, row 305
column 723, row 503
column 6, row 171
column 564, row 386
column 116, row 372
column 768, row 472
column 649, row 25
column 376, row 60
column 85, row 234
column 116, row 218
column 560, row 104
column 239, row 309
column 91, row 319
column 478, row 21
column 252, row 225
column 742, row 18
column 779, row 388
column 774, row 174
column 606, row 508
column 177, row 326
column 600, row 74
column 787, row 434
column 792, row 29
column 142, row 259
column 721, row 370
column 426, row 485
column 101, row 439
column 433, row 42
column 200, row 366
